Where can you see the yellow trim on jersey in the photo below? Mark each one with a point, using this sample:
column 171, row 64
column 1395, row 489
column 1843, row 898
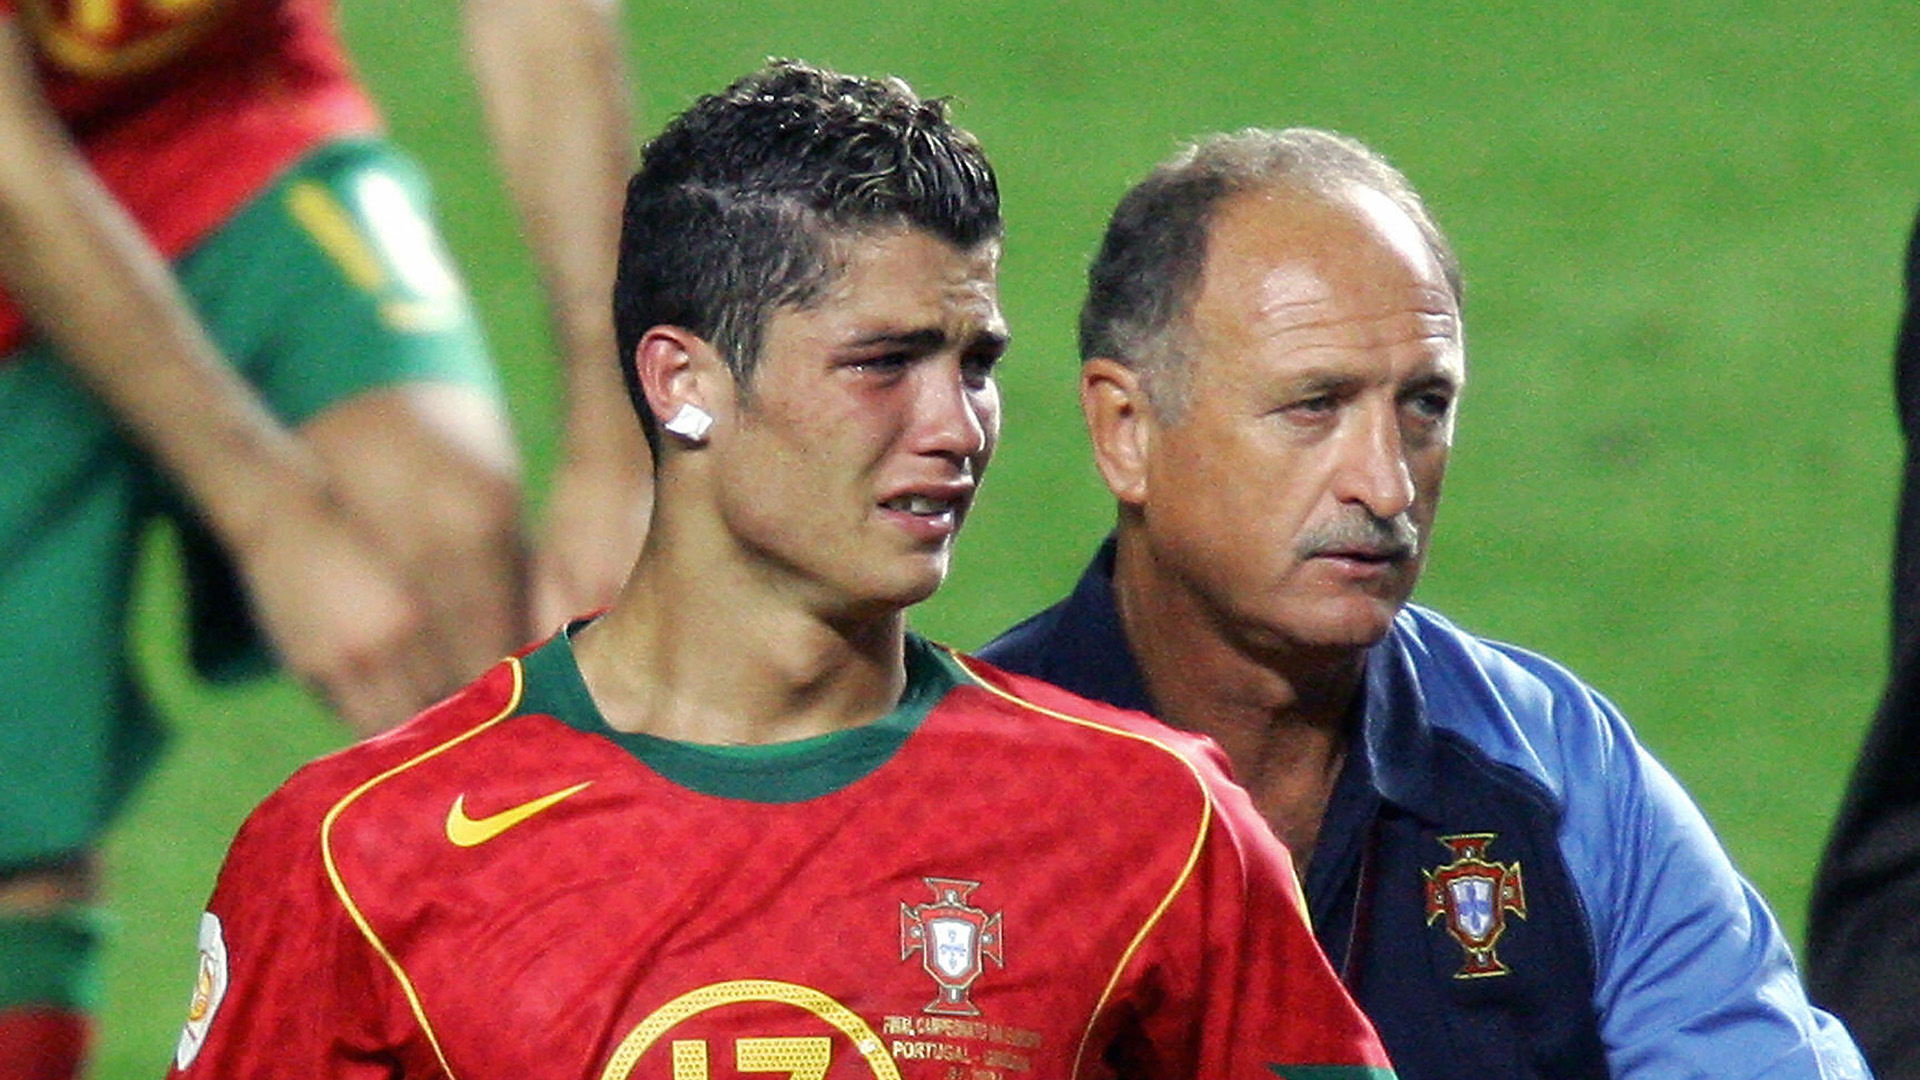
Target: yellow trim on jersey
column 340, row 887
column 1179, row 883
column 315, row 208
column 694, row 1002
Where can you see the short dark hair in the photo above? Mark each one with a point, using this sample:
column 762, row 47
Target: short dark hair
column 1143, row 281
column 739, row 203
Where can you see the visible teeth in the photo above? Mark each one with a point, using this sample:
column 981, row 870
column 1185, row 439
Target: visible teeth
column 919, row 504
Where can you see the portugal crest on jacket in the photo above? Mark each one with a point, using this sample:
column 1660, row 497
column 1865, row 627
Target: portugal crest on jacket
column 1475, row 895
column 954, row 941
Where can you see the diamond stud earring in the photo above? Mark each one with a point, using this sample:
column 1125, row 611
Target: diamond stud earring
column 690, row 423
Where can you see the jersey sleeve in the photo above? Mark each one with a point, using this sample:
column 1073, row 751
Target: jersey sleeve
column 1243, row 990
column 286, row 986
column 1694, row 975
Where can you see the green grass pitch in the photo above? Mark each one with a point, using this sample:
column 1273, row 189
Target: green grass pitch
column 1681, row 225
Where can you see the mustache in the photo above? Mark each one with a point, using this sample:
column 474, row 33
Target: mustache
column 1361, row 533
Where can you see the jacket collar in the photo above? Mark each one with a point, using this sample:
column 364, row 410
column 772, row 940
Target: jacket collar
column 1395, row 730
column 1395, row 727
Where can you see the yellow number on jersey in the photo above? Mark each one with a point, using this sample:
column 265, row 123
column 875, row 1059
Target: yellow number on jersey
column 801, row 1058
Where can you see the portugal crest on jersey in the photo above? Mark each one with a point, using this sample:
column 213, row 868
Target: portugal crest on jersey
column 954, row 941
column 1475, row 895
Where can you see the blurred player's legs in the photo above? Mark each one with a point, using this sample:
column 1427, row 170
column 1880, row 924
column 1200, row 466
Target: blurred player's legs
column 73, row 730
column 46, row 970
column 42, row 1043
column 331, row 293
column 366, row 340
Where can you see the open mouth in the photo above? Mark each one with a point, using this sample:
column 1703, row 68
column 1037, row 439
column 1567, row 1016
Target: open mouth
column 922, row 505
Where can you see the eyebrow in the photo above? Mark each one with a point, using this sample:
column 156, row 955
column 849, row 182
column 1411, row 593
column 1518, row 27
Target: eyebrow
column 1333, row 380
column 928, row 339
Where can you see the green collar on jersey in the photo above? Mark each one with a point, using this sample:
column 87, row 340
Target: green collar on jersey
column 775, row 773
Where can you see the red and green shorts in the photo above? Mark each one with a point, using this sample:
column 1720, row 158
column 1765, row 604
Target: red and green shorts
column 330, row 283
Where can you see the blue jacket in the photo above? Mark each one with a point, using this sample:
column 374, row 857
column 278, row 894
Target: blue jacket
column 1509, row 884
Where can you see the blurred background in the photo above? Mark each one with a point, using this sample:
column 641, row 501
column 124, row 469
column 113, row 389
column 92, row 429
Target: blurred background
column 1682, row 227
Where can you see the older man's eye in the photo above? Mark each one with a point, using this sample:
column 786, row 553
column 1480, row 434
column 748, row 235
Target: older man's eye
column 1314, row 405
column 1432, row 405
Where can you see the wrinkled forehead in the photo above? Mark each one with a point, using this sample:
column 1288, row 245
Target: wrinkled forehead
column 1307, row 243
column 1311, row 273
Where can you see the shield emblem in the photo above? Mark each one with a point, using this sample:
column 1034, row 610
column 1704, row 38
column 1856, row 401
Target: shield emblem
column 954, row 940
column 1473, row 905
column 1474, row 895
column 953, row 946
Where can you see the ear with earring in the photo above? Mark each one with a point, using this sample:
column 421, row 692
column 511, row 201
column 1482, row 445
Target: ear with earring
column 691, row 423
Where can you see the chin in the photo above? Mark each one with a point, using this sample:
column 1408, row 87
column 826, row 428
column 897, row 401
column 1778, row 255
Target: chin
column 911, row 596
column 1348, row 625
column 879, row 599
column 1363, row 637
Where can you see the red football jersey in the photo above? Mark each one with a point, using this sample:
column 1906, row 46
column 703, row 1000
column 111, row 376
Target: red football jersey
column 187, row 108
column 998, row 881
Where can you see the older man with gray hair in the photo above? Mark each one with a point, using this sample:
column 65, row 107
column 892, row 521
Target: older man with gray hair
column 1507, row 881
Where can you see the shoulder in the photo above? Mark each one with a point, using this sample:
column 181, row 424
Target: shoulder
column 370, row 821
column 298, row 811
column 1510, row 704
column 1035, row 697
column 1460, row 659
column 1131, row 745
column 1656, row 888
column 1171, row 791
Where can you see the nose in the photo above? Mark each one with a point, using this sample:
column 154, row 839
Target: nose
column 952, row 418
column 1373, row 470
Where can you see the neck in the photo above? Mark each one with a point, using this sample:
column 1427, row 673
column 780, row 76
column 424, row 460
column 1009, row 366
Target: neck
column 702, row 648
column 1283, row 715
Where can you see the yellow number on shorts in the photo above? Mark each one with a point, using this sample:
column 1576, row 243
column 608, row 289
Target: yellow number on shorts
column 105, row 38
column 97, row 18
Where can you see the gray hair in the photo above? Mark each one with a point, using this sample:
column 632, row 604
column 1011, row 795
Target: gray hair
column 1142, row 283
